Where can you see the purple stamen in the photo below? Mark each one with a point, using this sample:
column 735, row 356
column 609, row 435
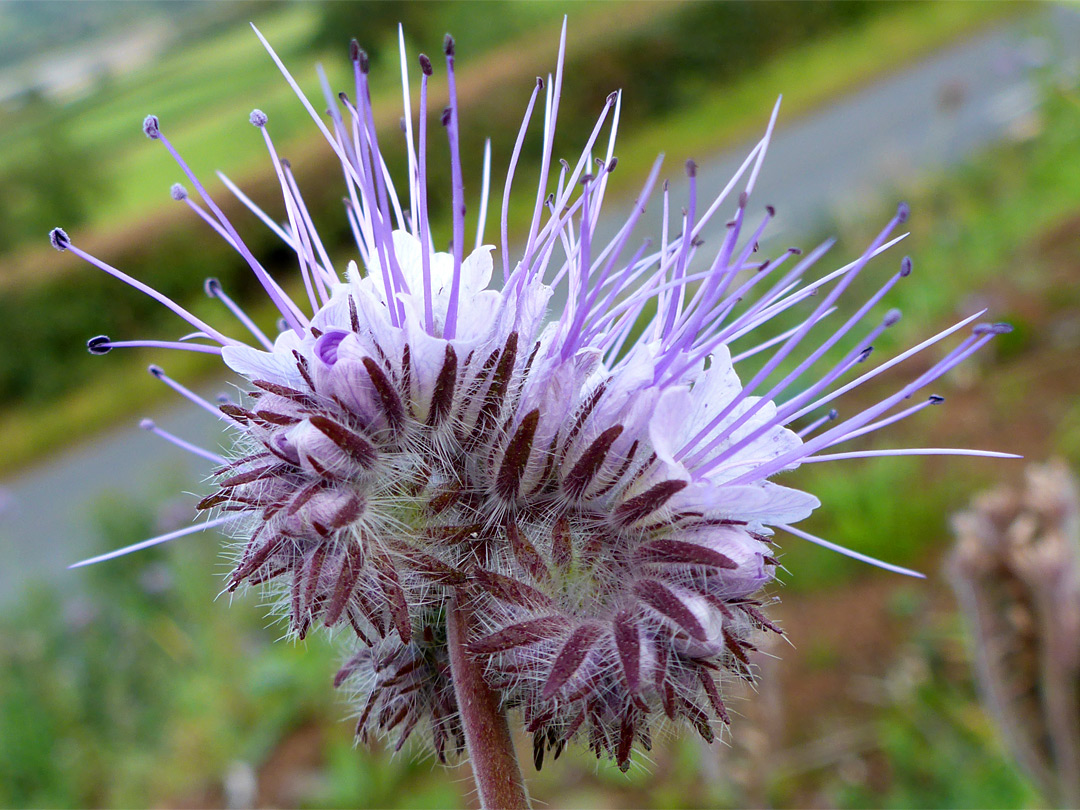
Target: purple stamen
column 214, row 290
column 485, row 189
column 288, row 309
column 789, row 346
column 562, row 196
column 407, row 118
column 853, row 357
column 817, row 423
column 457, row 195
column 934, row 399
column 368, row 194
column 148, row 424
column 966, row 348
column 298, row 240
column 103, row 345
column 885, row 366
column 187, row 393
column 774, row 302
column 909, row 451
column 154, row 541
column 425, row 236
column 252, row 207
column 143, row 288
column 510, row 177
column 847, row 552
column 371, row 151
column 551, row 114
column 324, row 268
column 677, row 296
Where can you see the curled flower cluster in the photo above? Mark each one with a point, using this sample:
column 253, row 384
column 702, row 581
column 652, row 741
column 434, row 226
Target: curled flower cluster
column 569, row 451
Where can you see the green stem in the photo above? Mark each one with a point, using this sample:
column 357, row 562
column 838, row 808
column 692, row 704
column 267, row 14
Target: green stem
column 487, row 733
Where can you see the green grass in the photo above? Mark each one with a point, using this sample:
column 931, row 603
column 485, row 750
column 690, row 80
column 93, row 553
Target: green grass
column 144, row 689
column 807, row 76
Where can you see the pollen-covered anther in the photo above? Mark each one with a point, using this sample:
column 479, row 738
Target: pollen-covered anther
column 59, row 239
column 99, row 345
column 152, row 127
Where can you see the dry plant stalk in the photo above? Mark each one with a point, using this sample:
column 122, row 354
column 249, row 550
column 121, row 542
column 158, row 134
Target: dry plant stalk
column 1016, row 572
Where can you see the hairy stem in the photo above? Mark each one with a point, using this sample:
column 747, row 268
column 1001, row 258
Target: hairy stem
column 487, row 734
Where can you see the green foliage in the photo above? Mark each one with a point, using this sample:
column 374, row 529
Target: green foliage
column 138, row 688
column 57, row 180
column 938, row 749
column 887, row 508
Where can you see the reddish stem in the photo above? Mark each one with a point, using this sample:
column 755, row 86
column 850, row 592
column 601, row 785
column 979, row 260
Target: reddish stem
column 487, row 734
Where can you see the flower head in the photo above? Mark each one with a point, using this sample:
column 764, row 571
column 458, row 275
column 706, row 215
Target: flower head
column 568, row 448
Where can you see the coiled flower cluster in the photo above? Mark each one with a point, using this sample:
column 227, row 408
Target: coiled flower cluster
column 569, row 451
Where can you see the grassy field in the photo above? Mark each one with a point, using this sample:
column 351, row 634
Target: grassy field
column 221, row 137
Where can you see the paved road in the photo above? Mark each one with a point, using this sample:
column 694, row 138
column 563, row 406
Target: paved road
column 830, row 163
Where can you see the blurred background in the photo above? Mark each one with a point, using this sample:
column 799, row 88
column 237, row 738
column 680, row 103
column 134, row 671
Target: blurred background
column 128, row 684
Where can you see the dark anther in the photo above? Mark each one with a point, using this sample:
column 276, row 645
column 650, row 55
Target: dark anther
column 770, row 210
column 151, row 127
column 157, row 371
column 354, row 50
column 59, row 239
column 448, row 45
column 425, row 65
column 691, row 168
column 905, row 267
column 903, row 211
column 936, row 399
column 212, row 287
column 446, row 116
column 178, row 192
column 99, row 345
column 258, row 118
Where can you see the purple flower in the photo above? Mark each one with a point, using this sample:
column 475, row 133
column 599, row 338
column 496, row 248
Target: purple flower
column 567, row 447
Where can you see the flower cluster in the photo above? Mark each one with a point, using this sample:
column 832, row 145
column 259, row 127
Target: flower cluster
column 569, row 449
